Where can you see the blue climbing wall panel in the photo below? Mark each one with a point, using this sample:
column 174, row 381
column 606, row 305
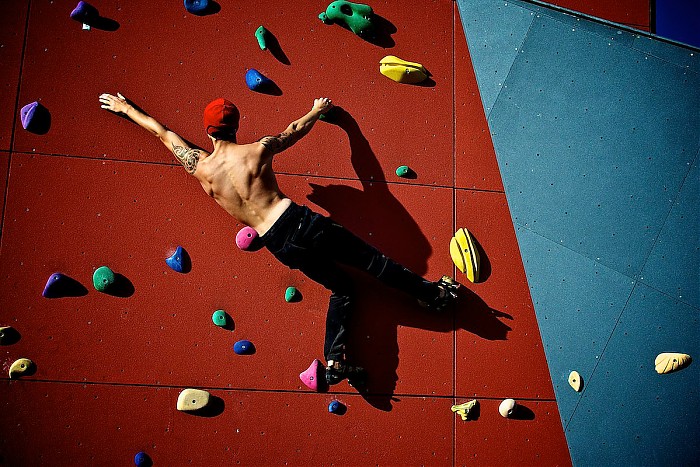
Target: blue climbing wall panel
column 597, row 135
column 97, row 190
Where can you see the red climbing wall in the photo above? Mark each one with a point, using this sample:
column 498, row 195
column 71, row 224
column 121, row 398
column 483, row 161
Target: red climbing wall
column 97, row 190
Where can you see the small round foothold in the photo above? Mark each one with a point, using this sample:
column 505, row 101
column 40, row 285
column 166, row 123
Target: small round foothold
column 246, row 239
column 336, row 407
column 507, row 408
column 103, row 278
column 244, row 347
column 403, row 171
column 220, row 318
column 291, row 295
column 141, row 459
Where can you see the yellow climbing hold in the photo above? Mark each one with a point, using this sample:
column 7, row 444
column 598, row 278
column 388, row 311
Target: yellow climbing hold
column 466, row 409
column 575, row 381
column 190, row 400
column 670, row 362
column 465, row 254
column 402, row 71
column 20, row 367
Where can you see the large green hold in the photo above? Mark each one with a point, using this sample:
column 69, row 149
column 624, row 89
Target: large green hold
column 220, row 318
column 356, row 16
column 103, row 278
column 291, row 295
column 261, row 36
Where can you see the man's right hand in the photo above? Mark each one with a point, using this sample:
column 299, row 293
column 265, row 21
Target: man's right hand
column 323, row 104
column 116, row 103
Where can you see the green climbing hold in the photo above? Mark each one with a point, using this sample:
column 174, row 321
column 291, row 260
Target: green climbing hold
column 220, row 318
column 103, row 278
column 292, row 295
column 403, row 171
column 356, row 16
column 261, row 36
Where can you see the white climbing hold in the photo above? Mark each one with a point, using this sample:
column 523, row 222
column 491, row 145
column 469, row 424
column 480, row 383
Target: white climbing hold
column 575, row 381
column 20, row 367
column 507, row 407
column 190, row 400
column 669, row 362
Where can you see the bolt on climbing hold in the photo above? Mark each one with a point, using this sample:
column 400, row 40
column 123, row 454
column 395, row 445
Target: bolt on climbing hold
column 465, row 255
column 261, row 35
column 141, row 459
column 256, row 81
column 336, row 407
column 402, row 71
column 196, row 6
column 220, row 318
column 355, row 16
column 244, row 347
column 507, row 408
column 21, row 367
column 103, row 278
column 311, row 377
column 191, row 400
column 246, row 239
column 466, row 410
column 292, row 295
column 177, row 260
column 404, row 171
column 84, row 13
column 668, row 362
column 575, row 381
column 35, row 118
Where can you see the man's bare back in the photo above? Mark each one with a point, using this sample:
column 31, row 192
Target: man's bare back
column 238, row 176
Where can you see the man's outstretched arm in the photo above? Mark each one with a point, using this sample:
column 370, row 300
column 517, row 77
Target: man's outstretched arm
column 298, row 128
column 186, row 155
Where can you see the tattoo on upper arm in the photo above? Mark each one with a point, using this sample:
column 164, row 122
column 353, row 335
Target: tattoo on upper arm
column 277, row 143
column 188, row 157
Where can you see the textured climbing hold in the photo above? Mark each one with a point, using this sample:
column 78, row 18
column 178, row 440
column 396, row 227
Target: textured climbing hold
column 196, row 6
column 220, row 318
column 177, row 260
column 507, row 408
column 336, row 407
column 244, row 348
column 84, row 13
column 404, row 172
column 190, row 400
column 246, row 239
column 261, row 35
column 291, row 295
column 256, row 81
column 466, row 410
column 103, row 278
column 35, row 118
column 141, row 459
column 356, row 16
column 575, row 381
column 312, row 375
column 20, row 367
column 402, row 71
column 465, row 254
column 669, row 362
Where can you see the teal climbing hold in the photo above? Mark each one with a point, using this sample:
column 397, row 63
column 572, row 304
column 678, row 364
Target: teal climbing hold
column 103, row 278
column 220, row 318
column 261, row 36
column 403, row 171
column 292, row 294
column 356, row 16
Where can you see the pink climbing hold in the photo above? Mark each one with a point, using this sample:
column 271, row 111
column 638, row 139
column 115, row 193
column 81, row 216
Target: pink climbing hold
column 245, row 237
column 311, row 377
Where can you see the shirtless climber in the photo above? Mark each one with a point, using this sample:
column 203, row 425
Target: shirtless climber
column 240, row 178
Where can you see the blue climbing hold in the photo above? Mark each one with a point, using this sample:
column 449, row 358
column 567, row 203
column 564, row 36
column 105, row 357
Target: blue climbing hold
column 256, row 81
column 141, row 459
column 84, row 12
column 196, row 6
column 54, row 285
column 244, row 348
column 35, row 118
column 177, row 260
column 336, row 407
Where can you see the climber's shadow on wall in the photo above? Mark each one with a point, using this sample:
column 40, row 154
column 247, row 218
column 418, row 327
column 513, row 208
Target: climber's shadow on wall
column 381, row 311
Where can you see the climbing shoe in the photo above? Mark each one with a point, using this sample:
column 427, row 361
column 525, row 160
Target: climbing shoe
column 448, row 293
column 337, row 371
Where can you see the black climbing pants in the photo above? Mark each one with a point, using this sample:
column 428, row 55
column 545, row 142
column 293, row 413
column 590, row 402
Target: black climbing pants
column 314, row 244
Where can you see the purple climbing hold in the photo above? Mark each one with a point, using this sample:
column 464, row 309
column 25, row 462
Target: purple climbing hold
column 256, row 81
column 35, row 118
column 54, row 285
column 84, row 12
